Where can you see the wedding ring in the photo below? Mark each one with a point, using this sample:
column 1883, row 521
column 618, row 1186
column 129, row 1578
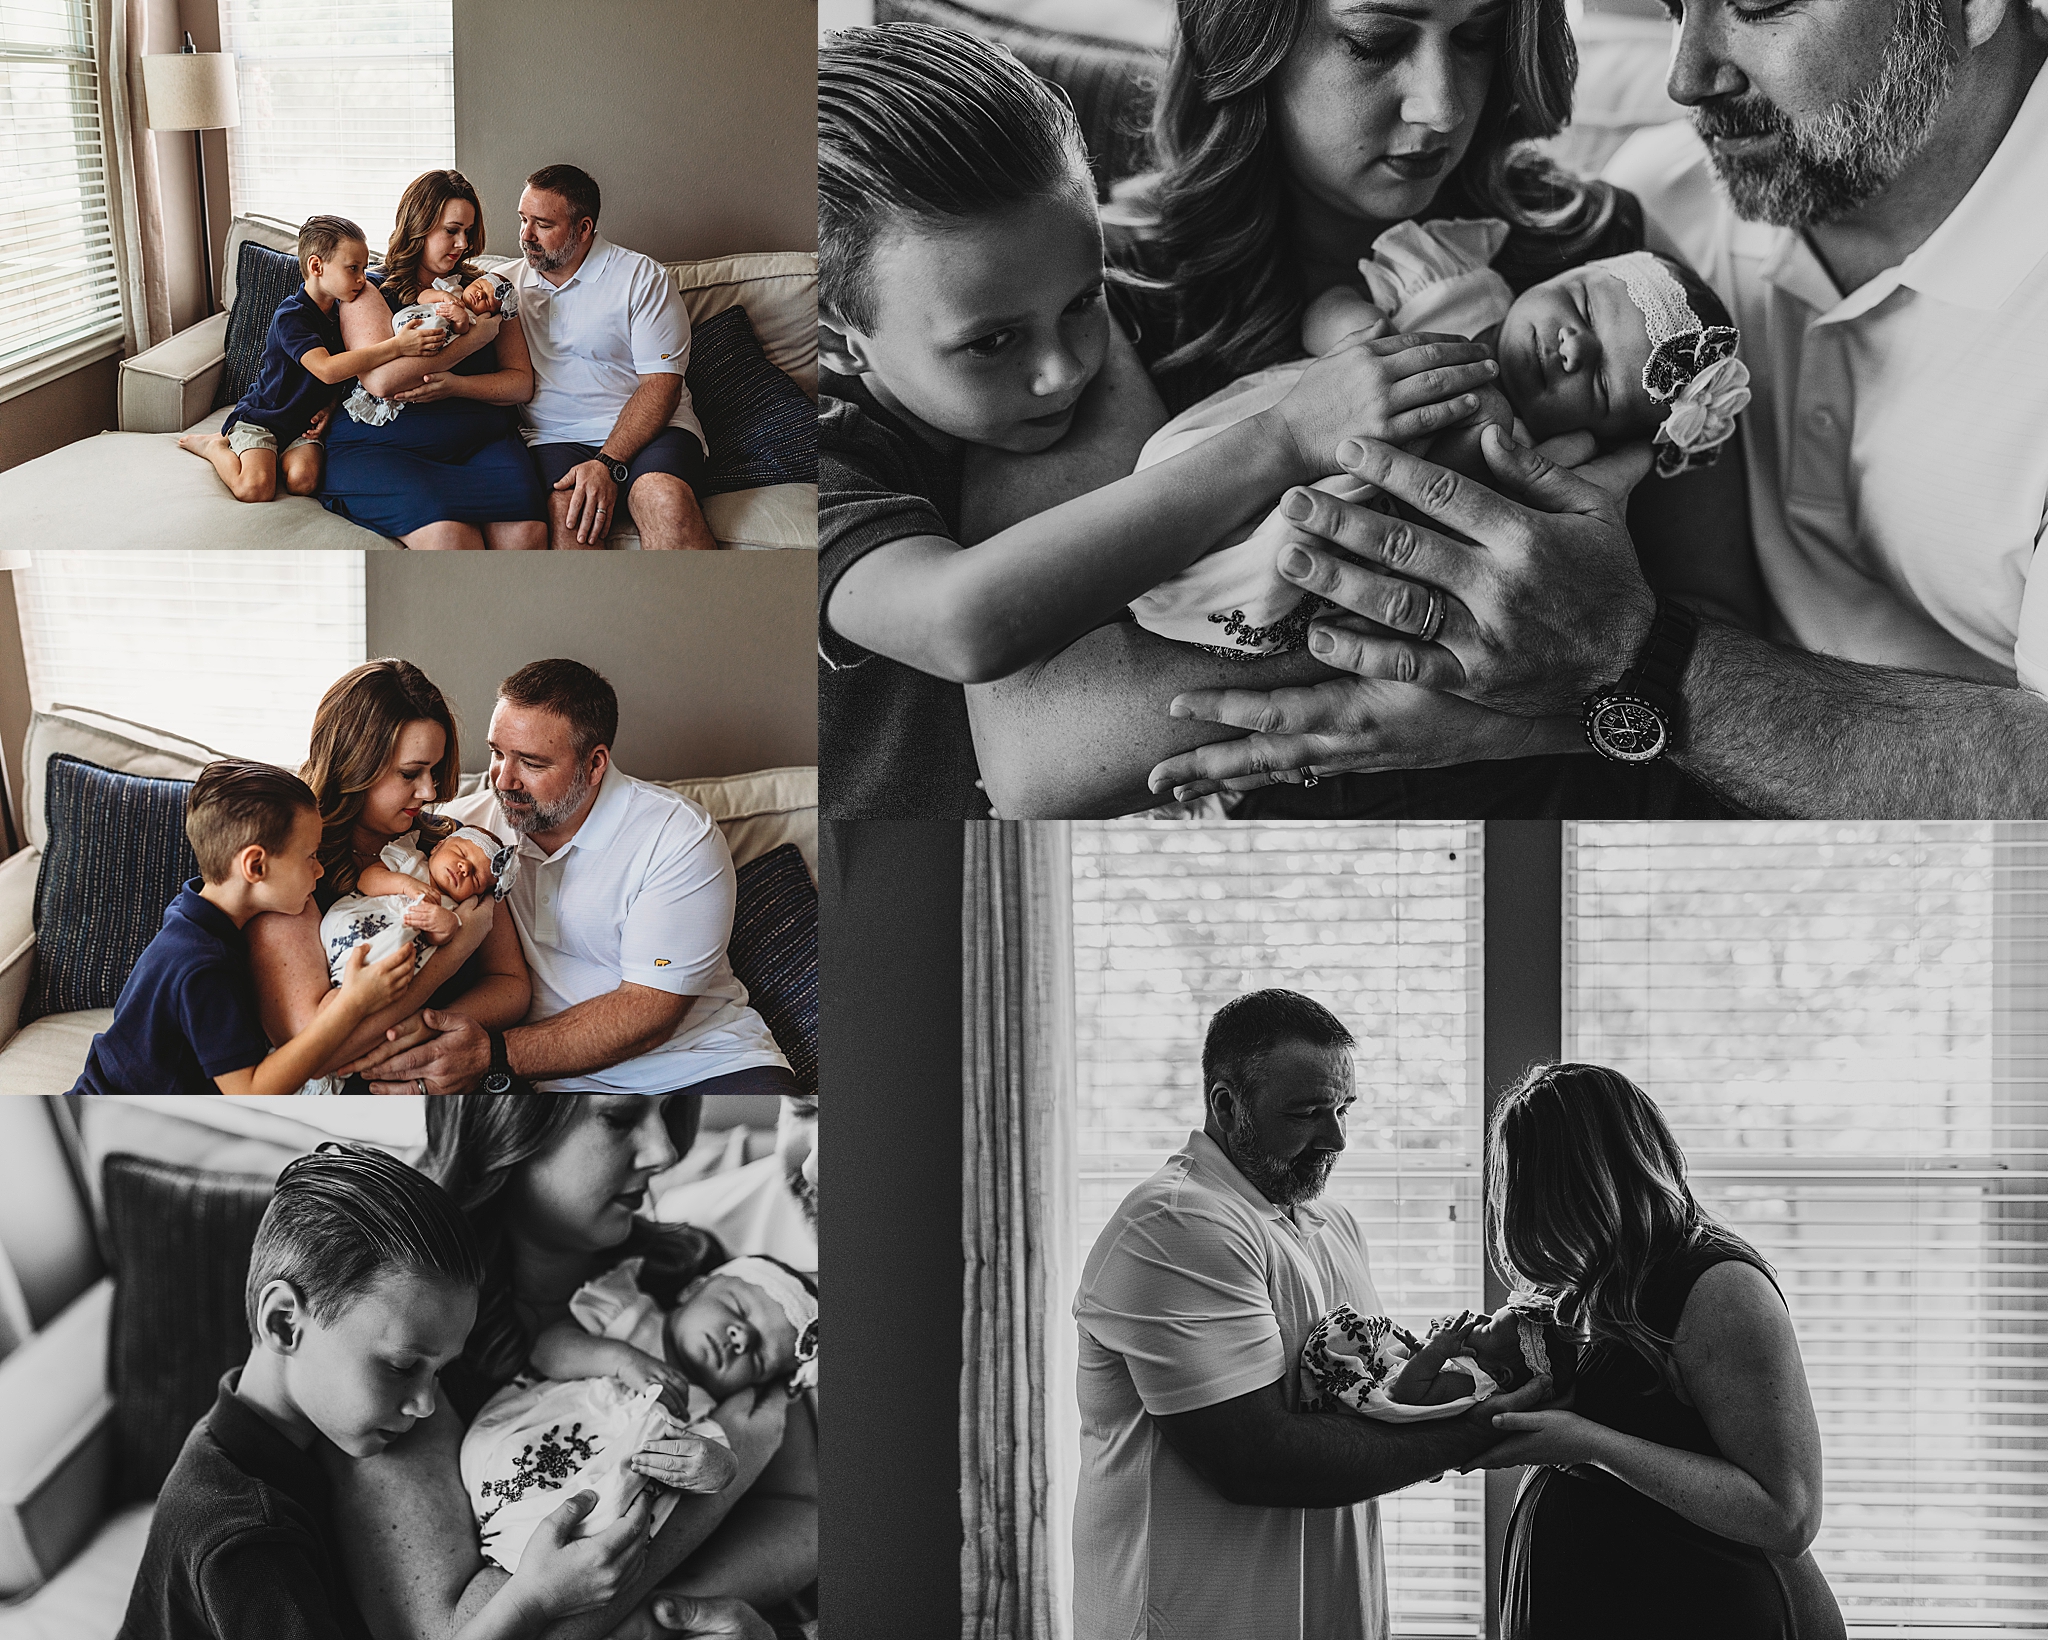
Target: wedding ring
column 420, row 1082
column 1433, row 620
column 1310, row 778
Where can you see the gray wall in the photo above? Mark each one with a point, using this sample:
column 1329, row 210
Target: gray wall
column 699, row 118
column 713, row 654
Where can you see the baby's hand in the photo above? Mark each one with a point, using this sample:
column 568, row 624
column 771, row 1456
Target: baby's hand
column 413, row 341
column 436, row 923
column 369, row 988
column 452, row 310
column 637, row 1369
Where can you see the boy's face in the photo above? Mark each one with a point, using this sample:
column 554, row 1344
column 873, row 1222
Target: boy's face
column 290, row 873
column 366, row 1376
column 731, row 1335
column 342, row 275
column 989, row 330
column 1572, row 351
column 460, row 869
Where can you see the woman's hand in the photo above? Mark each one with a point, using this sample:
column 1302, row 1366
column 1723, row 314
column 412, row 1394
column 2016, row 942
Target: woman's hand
column 435, row 385
column 407, row 1033
column 689, row 1463
column 1396, row 388
column 1552, row 1436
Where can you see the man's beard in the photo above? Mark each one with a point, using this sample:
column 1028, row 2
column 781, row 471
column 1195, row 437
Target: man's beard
column 544, row 261
column 529, row 817
column 1284, row 1184
column 1827, row 164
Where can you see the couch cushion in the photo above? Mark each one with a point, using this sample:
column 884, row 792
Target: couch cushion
column 46, row 1056
column 774, row 954
column 263, row 278
column 111, row 742
column 761, row 427
column 179, row 1240
column 116, row 857
column 778, row 516
column 89, row 1597
column 779, row 290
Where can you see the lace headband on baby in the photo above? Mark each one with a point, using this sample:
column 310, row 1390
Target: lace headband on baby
column 504, row 857
column 792, row 1297
column 1692, row 366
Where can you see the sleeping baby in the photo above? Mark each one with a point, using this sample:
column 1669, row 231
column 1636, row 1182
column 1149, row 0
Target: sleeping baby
column 622, row 1373
column 486, row 295
column 1626, row 348
column 1376, row 1367
column 414, row 898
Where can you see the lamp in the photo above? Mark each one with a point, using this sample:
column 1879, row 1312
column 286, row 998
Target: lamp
column 194, row 91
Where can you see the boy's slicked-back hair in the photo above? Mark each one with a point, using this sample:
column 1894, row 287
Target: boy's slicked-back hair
column 345, row 1217
column 931, row 125
column 577, row 187
column 321, row 235
column 233, row 804
column 570, row 690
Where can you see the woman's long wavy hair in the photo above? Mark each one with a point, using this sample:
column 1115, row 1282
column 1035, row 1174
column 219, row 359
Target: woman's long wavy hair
column 1216, row 210
column 419, row 214
column 474, row 1148
column 355, row 734
column 1585, row 1194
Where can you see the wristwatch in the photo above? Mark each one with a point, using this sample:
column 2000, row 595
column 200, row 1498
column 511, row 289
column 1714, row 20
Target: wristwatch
column 498, row 1079
column 1641, row 715
column 618, row 469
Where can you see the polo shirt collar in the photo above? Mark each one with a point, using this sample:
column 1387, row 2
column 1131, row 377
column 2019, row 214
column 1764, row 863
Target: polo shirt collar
column 592, row 265
column 599, row 826
column 195, row 908
column 263, row 1451
column 1209, row 1159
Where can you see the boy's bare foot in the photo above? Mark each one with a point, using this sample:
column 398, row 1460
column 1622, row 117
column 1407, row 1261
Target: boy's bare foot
column 203, row 444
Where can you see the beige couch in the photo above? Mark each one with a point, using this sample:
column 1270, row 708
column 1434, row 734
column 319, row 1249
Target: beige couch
column 757, row 812
column 136, row 488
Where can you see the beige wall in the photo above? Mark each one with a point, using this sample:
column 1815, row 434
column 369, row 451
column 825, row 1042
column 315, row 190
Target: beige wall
column 44, row 418
column 697, row 117
column 713, row 654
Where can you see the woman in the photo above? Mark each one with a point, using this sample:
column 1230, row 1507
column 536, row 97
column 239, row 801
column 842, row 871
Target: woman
column 1289, row 136
column 551, row 1185
column 383, row 747
column 451, row 470
column 1680, row 1493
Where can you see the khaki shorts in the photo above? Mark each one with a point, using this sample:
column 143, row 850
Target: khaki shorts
column 250, row 435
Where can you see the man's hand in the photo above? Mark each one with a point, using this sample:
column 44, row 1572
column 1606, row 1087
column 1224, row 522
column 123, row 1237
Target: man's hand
column 593, row 501
column 1541, row 603
column 407, row 1033
column 453, row 1060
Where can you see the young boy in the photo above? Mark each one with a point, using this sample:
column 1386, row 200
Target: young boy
column 288, row 404
column 186, row 1021
column 362, row 1285
column 962, row 308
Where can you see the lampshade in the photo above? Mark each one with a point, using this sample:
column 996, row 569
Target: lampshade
column 191, row 91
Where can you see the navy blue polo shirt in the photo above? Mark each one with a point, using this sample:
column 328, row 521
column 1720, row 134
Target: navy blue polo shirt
column 188, row 1012
column 286, row 396
column 242, row 1543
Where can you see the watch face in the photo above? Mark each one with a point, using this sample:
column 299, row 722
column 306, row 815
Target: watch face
column 620, row 471
column 1626, row 729
column 497, row 1082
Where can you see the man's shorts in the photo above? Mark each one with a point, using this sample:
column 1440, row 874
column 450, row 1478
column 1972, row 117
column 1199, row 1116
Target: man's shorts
column 251, row 435
column 673, row 450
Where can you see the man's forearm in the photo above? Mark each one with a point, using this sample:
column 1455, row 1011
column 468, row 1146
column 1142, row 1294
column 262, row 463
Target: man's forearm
column 1324, row 1460
column 646, row 414
column 594, row 1035
column 1779, row 731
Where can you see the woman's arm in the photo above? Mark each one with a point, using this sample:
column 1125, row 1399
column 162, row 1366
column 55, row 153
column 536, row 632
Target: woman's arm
column 510, row 383
column 497, row 1000
column 767, row 1550
column 367, row 321
column 1693, row 540
column 1739, row 1362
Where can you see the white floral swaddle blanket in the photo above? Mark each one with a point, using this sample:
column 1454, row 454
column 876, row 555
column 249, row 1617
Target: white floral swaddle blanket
column 372, row 411
column 378, row 919
column 537, row 1442
column 1350, row 1358
column 1234, row 601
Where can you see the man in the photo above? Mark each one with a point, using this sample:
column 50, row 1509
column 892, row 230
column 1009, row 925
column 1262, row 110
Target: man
column 1880, row 237
column 623, row 901
column 610, row 340
column 1208, row 1505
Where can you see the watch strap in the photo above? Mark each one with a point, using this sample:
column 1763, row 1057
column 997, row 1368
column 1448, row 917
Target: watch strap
column 1659, row 670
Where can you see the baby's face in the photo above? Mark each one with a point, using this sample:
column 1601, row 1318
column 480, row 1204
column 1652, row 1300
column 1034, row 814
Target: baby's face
column 1572, row 351
column 481, row 297
column 1497, row 1347
column 731, row 1335
column 460, row 869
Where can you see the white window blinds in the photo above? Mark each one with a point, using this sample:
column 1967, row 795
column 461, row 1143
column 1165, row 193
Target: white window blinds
column 1847, row 1027
column 56, row 236
column 233, row 649
column 1379, row 923
column 342, row 105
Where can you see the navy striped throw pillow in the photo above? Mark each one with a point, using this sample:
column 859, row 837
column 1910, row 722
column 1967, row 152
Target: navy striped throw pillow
column 263, row 278
column 774, row 954
column 761, row 428
column 116, row 857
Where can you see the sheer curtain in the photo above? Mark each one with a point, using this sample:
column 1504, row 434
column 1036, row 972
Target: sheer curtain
column 1019, row 1442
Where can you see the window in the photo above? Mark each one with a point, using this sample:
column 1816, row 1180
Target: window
column 1381, row 924
column 231, row 649
column 63, row 301
column 1847, row 1026
column 342, row 106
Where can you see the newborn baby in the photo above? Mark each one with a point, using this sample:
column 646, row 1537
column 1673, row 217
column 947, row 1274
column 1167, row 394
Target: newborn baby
column 410, row 897
column 621, row 1373
column 486, row 295
column 1630, row 347
column 1373, row 1366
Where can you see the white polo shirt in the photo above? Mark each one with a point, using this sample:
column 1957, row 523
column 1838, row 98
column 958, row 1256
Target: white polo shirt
column 618, row 318
column 1897, row 443
column 1200, row 1290
column 643, row 892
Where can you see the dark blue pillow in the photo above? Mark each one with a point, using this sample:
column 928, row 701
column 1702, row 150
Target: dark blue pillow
column 774, row 954
column 263, row 278
column 116, row 857
column 761, row 428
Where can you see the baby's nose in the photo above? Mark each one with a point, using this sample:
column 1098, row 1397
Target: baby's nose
column 1577, row 349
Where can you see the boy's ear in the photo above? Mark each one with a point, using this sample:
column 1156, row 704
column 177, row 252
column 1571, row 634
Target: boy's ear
column 841, row 349
column 280, row 1317
column 252, row 863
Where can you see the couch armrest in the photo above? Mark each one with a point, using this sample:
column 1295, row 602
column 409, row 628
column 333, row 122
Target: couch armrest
column 169, row 387
column 56, row 1442
column 17, row 933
